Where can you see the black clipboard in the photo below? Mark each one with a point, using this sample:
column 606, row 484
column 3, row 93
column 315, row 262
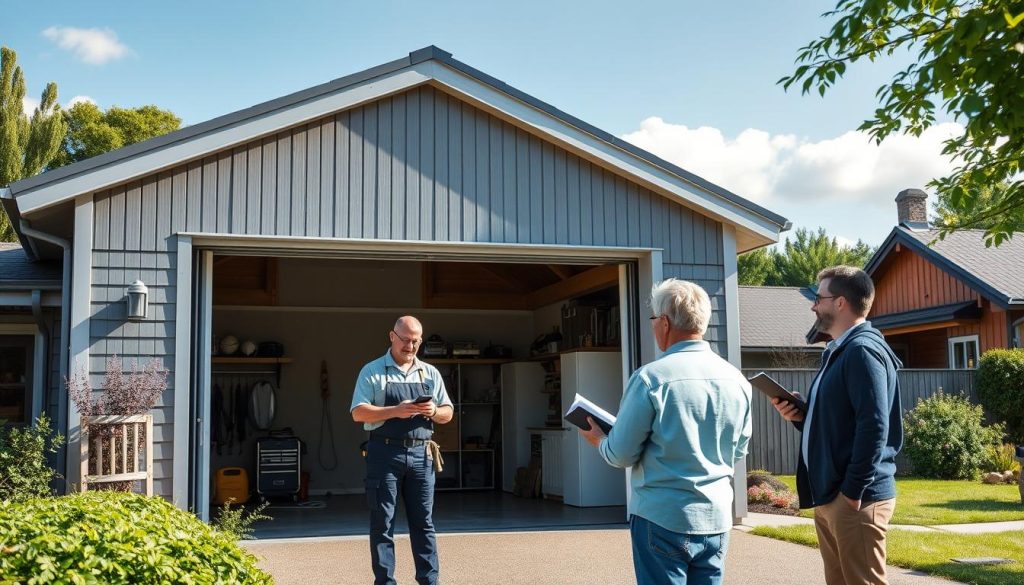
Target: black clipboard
column 772, row 389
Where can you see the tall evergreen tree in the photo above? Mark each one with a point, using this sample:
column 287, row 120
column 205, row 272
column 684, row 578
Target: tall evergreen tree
column 27, row 145
column 800, row 260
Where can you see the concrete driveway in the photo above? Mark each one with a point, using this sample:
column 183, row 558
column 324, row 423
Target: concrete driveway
column 546, row 557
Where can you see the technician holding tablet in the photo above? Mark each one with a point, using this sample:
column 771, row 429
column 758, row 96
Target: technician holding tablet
column 399, row 399
column 851, row 432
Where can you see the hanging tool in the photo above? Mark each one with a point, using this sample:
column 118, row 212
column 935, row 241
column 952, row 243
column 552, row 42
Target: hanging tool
column 326, row 424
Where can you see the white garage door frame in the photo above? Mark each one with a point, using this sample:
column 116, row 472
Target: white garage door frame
column 639, row 269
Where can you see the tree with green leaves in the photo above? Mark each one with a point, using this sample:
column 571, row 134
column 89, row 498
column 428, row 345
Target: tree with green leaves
column 945, row 213
column 968, row 58
column 92, row 131
column 757, row 267
column 27, row 145
column 800, row 260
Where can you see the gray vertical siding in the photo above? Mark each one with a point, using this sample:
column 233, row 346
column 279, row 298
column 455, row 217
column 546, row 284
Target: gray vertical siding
column 775, row 443
column 417, row 166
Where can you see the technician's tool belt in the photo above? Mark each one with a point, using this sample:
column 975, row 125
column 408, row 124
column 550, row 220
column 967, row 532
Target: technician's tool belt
column 433, row 448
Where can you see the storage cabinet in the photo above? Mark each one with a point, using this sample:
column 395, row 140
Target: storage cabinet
column 471, row 442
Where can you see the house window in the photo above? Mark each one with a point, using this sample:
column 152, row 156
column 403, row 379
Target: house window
column 963, row 352
column 15, row 378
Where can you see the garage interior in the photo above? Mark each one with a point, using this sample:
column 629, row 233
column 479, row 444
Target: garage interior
column 516, row 341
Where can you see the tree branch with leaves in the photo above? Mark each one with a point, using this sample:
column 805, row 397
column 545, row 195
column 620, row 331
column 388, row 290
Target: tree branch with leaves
column 968, row 58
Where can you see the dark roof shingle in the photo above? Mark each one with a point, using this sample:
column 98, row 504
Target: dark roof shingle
column 16, row 268
column 775, row 316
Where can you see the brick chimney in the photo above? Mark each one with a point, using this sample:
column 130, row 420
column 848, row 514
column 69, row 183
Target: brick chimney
column 912, row 208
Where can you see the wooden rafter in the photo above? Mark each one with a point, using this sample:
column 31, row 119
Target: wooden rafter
column 592, row 280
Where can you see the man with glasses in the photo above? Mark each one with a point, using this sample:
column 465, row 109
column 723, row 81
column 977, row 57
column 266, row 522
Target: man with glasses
column 851, row 432
column 399, row 399
column 683, row 422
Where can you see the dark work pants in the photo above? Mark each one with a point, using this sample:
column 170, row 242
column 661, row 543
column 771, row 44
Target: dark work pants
column 392, row 470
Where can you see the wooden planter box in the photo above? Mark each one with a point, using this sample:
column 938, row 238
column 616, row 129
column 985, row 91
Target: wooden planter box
column 118, row 446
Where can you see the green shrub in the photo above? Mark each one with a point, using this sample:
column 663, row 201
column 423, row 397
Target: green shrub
column 114, row 537
column 1001, row 458
column 945, row 438
column 24, row 471
column 238, row 521
column 1001, row 388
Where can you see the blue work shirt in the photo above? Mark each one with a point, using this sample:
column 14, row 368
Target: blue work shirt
column 375, row 376
column 683, row 421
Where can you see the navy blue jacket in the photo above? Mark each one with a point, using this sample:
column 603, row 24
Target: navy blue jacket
column 856, row 428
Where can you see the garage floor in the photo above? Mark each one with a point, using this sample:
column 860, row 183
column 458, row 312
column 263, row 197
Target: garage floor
column 490, row 511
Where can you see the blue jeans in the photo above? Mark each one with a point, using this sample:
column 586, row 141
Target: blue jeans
column 392, row 470
column 663, row 557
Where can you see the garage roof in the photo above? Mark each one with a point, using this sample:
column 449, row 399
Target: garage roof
column 757, row 226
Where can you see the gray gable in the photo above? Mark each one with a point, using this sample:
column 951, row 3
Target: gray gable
column 16, row 270
column 775, row 316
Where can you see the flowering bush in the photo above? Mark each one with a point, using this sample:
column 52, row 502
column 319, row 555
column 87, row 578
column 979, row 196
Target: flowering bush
column 763, row 494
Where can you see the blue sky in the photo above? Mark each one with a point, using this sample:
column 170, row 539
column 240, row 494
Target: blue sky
column 693, row 82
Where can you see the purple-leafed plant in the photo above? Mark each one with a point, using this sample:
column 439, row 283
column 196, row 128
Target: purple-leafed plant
column 123, row 394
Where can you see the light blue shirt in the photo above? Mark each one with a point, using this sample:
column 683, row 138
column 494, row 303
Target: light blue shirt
column 683, row 421
column 813, row 392
column 375, row 376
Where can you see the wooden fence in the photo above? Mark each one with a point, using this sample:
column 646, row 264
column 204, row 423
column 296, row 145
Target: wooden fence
column 775, row 443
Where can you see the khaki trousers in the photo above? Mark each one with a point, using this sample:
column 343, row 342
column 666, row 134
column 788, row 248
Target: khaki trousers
column 853, row 542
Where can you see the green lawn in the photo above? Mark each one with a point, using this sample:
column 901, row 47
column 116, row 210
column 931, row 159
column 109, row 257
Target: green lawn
column 931, row 501
column 931, row 552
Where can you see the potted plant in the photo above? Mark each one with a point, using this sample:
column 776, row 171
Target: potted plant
column 116, row 424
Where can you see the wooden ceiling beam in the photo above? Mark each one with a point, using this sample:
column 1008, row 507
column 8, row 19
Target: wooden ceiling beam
column 592, row 280
column 560, row 271
column 507, row 279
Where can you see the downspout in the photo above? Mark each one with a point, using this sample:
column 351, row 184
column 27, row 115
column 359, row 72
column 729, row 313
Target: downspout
column 37, row 312
column 65, row 326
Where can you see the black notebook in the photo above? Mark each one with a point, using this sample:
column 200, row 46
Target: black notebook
column 581, row 408
column 773, row 389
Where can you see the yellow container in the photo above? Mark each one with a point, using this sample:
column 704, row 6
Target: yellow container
column 231, row 483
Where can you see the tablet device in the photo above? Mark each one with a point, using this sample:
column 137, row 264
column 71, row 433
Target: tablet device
column 423, row 399
column 772, row 389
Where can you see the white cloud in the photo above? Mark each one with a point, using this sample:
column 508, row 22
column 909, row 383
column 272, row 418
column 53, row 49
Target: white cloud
column 29, row 105
column 783, row 169
column 78, row 99
column 94, row 46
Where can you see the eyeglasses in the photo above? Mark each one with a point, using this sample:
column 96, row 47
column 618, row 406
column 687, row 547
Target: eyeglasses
column 406, row 340
column 818, row 298
column 655, row 317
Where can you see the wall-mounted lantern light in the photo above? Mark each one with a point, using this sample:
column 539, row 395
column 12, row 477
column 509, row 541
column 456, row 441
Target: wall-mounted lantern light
column 138, row 301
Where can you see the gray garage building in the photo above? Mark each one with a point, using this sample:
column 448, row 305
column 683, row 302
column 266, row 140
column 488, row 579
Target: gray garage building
column 422, row 185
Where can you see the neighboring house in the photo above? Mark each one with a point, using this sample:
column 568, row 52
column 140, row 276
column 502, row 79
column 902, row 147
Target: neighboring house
column 774, row 321
column 30, row 317
column 421, row 185
column 942, row 303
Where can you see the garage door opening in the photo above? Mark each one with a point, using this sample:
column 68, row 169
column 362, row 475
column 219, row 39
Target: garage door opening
column 514, row 342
